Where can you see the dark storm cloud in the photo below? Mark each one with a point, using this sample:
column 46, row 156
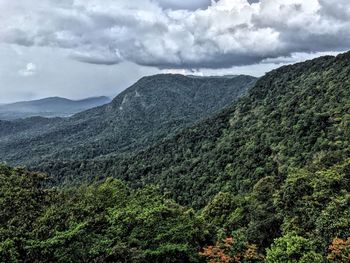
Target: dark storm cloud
column 166, row 34
column 190, row 5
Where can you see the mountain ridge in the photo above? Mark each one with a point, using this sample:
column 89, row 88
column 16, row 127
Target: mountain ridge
column 49, row 107
column 289, row 118
column 154, row 107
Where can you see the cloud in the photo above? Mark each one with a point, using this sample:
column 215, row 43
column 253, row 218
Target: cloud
column 189, row 5
column 58, row 75
column 29, row 70
column 166, row 34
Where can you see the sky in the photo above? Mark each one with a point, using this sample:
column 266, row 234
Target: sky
column 84, row 48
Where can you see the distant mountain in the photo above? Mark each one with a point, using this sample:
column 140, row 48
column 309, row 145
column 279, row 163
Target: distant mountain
column 155, row 107
column 49, row 107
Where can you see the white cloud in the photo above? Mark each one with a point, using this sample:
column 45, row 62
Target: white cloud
column 58, row 75
column 29, row 70
column 226, row 33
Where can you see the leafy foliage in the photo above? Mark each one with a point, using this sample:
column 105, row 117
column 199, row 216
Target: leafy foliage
column 316, row 204
column 228, row 251
column 100, row 222
column 292, row 249
column 339, row 250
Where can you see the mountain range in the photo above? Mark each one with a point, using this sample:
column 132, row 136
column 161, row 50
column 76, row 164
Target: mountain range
column 153, row 108
column 49, row 107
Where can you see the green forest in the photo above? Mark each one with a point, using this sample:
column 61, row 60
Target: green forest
column 306, row 219
column 267, row 179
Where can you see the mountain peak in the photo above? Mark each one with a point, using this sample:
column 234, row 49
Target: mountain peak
column 154, row 107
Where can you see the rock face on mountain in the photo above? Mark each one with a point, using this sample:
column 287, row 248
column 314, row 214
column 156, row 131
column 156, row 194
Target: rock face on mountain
column 153, row 108
column 49, row 107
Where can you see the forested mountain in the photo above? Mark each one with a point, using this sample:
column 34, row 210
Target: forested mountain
column 294, row 116
column 155, row 107
column 270, row 167
column 49, row 107
column 266, row 180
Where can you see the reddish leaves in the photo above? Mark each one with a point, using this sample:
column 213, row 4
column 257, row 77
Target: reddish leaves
column 339, row 250
column 224, row 252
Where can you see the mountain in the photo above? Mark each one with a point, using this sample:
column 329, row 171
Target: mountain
column 155, row 107
column 294, row 116
column 49, row 107
column 265, row 180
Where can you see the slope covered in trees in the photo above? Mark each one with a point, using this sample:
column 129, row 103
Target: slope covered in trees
column 101, row 222
column 155, row 107
column 304, row 220
column 294, row 116
column 268, row 176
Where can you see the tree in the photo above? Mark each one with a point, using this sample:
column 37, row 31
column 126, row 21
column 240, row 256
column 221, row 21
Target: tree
column 264, row 225
column 8, row 251
column 292, row 248
column 334, row 221
column 158, row 229
column 339, row 250
column 230, row 251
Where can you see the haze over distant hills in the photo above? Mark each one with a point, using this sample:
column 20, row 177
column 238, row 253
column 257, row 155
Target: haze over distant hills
column 153, row 108
column 49, row 107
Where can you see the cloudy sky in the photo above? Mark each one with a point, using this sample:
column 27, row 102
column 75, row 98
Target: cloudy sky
column 82, row 48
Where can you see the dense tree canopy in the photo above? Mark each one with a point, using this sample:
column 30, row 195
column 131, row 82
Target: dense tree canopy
column 100, row 222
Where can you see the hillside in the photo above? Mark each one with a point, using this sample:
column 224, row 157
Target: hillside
column 266, row 180
column 155, row 107
column 49, row 107
column 294, row 116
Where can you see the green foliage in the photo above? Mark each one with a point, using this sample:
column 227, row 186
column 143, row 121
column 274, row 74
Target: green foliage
column 8, row 251
column 99, row 222
column 292, row 249
column 219, row 208
column 264, row 224
column 334, row 220
column 316, row 203
column 21, row 201
column 165, row 231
